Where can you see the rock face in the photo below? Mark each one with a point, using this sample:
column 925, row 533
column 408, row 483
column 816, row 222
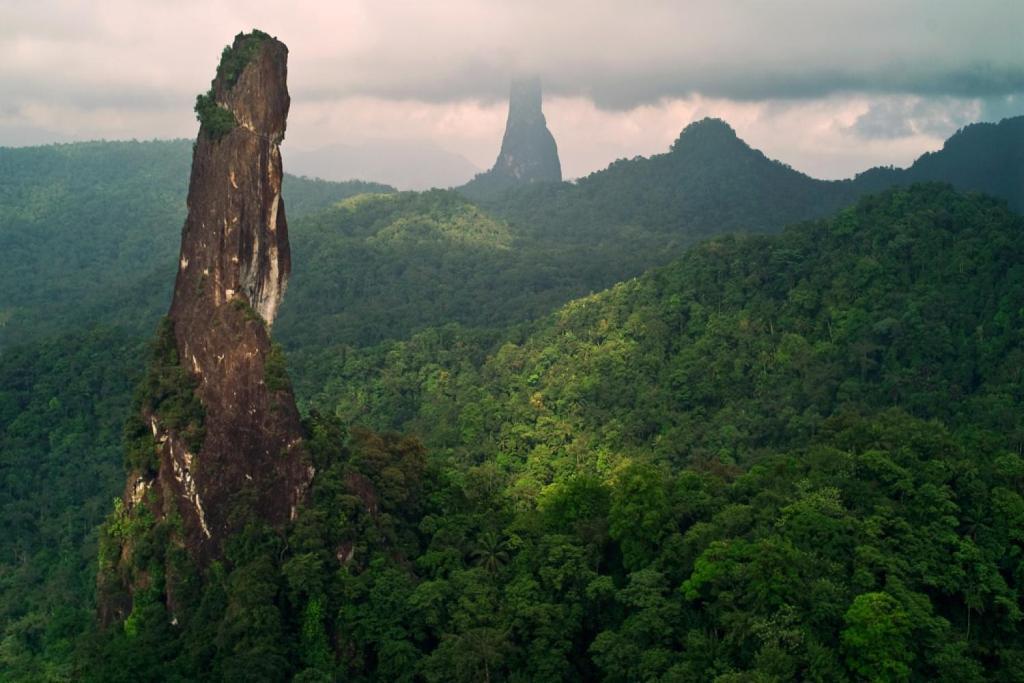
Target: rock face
column 244, row 453
column 528, row 150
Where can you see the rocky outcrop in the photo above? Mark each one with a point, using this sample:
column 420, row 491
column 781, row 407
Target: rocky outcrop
column 528, row 150
column 232, row 273
column 219, row 410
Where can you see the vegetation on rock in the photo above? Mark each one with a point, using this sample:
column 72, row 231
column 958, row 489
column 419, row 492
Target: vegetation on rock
column 215, row 120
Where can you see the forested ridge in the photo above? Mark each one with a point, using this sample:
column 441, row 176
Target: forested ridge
column 779, row 458
column 771, row 457
column 711, row 182
column 91, row 231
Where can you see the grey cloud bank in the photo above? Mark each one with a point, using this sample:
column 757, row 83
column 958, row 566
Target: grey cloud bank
column 881, row 70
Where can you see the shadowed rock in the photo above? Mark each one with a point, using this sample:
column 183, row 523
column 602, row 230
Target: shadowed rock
column 528, row 150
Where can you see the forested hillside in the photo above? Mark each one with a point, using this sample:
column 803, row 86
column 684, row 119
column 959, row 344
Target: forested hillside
column 985, row 157
column 90, row 232
column 710, row 182
column 779, row 458
column 909, row 300
column 380, row 267
column 62, row 406
column 431, row 314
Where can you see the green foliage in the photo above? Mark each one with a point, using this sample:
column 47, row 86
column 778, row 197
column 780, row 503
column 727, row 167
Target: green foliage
column 215, row 121
column 140, row 448
column 316, row 653
column 62, row 403
column 234, row 58
column 92, row 231
column 167, row 391
column 876, row 638
column 247, row 311
column 275, row 370
column 908, row 300
column 378, row 268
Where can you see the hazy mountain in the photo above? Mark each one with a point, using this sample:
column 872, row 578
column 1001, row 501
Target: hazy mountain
column 711, row 181
column 985, row 157
column 528, row 152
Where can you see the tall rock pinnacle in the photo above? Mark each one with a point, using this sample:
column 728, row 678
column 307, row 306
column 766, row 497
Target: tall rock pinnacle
column 216, row 406
column 528, row 150
column 232, row 273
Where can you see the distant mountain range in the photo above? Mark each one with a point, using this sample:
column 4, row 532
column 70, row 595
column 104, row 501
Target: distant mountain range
column 711, row 181
column 90, row 231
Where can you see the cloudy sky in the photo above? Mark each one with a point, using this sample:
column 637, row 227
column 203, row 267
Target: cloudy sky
column 829, row 87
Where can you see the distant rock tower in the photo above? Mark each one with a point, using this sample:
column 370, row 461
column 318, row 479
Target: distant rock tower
column 528, row 150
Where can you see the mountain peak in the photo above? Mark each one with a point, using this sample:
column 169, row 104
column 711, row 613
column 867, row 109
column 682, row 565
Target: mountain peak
column 707, row 131
column 524, row 103
column 248, row 89
column 233, row 271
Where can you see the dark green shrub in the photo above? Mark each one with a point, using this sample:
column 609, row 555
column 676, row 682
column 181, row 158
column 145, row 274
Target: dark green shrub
column 215, row 121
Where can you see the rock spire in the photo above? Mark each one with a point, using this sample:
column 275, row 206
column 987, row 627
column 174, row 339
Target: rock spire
column 219, row 442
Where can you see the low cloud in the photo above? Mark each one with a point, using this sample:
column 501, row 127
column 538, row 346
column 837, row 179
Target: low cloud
column 843, row 79
column 908, row 116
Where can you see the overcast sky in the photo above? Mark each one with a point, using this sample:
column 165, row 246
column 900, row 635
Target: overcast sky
column 829, row 87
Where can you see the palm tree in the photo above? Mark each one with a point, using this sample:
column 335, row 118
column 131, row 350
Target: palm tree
column 490, row 552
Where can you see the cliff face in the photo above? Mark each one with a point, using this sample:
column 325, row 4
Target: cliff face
column 240, row 451
column 528, row 150
column 232, row 274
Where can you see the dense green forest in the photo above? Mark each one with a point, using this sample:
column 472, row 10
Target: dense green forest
column 778, row 458
column 91, row 233
column 62, row 405
column 380, row 267
column 586, row 485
